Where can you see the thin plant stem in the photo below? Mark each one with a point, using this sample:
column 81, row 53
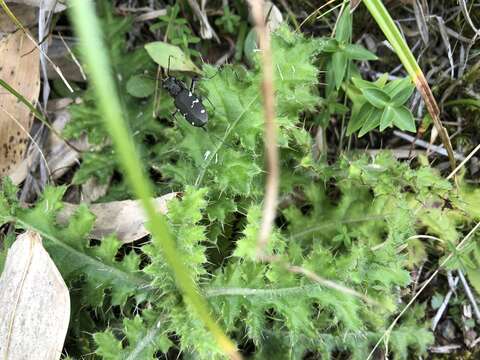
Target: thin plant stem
column 271, row 149
column 88, row 29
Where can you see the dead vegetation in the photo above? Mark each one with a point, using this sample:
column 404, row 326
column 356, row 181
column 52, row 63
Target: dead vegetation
column 47, row 92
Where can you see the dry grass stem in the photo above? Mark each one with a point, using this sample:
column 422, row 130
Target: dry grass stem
column 273, row 171
column 386, row 334
column 74, row 58
column 462, row 164
column 330, row 284
column 470, row 295
column 25, row 31
column 317, row 278
column 434, row 111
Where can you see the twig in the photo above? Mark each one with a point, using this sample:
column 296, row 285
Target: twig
column 151, row 15
column 444, row 305
column 74, row 58
column 465, row 12
column 438, row 149
column 446, row 349
column 206, row 30
column 475, row 343
column 470, row 296
column 469, row 156
column 43, row 33
column 273, row 171
column 386, row 334
column 27, row 34
column 313, row 14
column 417, row 275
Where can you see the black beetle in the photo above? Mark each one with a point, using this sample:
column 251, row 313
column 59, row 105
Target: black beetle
column 186, row 102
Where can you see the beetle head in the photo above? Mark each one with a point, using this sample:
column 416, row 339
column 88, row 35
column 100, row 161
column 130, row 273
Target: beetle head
column 172, row 85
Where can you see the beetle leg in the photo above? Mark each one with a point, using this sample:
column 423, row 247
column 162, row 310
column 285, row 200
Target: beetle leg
column 192, row 84
column 213, row 106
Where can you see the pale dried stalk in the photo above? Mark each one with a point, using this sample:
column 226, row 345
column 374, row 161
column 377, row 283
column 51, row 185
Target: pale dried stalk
column 463, row 6
column 330, row 284
column 387, row 333
column 25, row 31
column 273, row 172
column 206, row 30
column 316, row 278
column 462, row 164
column 470, row 295
column 74, row 58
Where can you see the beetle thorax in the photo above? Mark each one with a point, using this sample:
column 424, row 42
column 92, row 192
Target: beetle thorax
column 172, row 85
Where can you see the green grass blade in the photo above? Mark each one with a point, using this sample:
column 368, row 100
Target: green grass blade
column 88, row 29
column 393, row 35
column 20, row 26
column 35, row 112
column 22, row 99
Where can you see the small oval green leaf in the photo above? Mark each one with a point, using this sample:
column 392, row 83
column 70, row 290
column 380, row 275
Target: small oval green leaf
column 382, row 80
column 140, row 86
column 358, row 120
column 363, row 84
column 330, row 46
column 387, row 118
column 339, row 63
column 371, row 122
column 161, row 52
column 344, row 28
column 403, row 119
column 400, row 90
column 376, row 97
column 358, row 52
column 250, row 45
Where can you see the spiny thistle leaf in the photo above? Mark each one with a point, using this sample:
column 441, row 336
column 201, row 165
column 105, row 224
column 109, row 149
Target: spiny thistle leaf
column 69, row 248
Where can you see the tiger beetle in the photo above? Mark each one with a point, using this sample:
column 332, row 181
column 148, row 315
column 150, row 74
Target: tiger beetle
column 186, row 102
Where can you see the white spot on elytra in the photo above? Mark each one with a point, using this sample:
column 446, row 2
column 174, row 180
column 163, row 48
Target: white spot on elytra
column 190, row 94
column 194, row 102
column 202, row 111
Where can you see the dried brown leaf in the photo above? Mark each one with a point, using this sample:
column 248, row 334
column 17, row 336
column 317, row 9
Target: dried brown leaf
column 92, row 190
column 45, row 4
column 124, row 218
column 60, row 156
column 19, row 67
column 26, row 14
column 34, row 303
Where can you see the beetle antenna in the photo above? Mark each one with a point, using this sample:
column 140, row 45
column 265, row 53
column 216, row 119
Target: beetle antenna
column 156, row 102
column 168, row 68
